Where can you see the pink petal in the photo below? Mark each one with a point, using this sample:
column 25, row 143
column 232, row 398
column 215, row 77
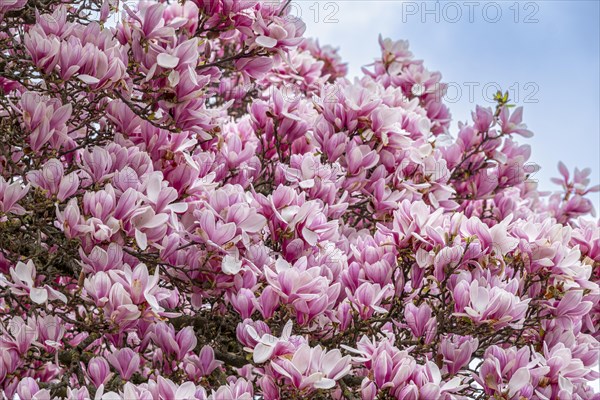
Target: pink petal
column 518, row 381
column 141, row 239
column 262, row 353
column 266, row 41
column 167, row 61
column 38, row 295
column 90, row 80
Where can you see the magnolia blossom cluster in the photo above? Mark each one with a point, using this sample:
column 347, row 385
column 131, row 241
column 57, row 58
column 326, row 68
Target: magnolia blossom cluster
column 196, row 203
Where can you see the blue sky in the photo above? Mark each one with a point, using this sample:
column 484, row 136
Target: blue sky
column 545, row 52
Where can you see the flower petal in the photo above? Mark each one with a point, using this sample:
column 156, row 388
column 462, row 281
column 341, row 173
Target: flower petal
column 266, row 41
column 167, row 61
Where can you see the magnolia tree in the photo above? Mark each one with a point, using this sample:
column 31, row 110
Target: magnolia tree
column 195, row 203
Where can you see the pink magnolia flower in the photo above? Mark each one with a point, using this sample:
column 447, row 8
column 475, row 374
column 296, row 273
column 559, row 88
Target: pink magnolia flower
column 120, row 308
column 214, row 230
column 278, row 32
column 148, row 225
column 457, row 351
column 388, row 366
column 167, row 389
column 10, row 194
column 508, row 371
column 131, row 391
column 360, row 157
column 367, row 298
column 100, row 204
column 430, row 383
column 69, row 220
column 244, row 302
column 181, row 57
column 250, row 337
column 513, row 123
column 51, row 331
column 255, row 67
column 202, row 365
column 313, row 367
column 16, row 341
column 98, row 287
column 420, row 321
column 51, row 178
column 98, row 230
column 140, row 285
column 267, row 302
column 125, row 361
column 97, row 163
column 177, row 345
column 240, row 389
column 98, row 371
column 269, row 388
column 494, row 305
column 187, row 13
column 303, row 287
column 29, row 389
column 23, row 283
column 162, row 196
column 560, row 363
column 45, row 118
column 572, row 306
column 101, row 259
column 267, row 345
column 44, row 49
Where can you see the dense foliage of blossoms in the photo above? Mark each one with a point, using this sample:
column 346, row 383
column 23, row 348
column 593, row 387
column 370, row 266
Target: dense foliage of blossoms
column 196, row 203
